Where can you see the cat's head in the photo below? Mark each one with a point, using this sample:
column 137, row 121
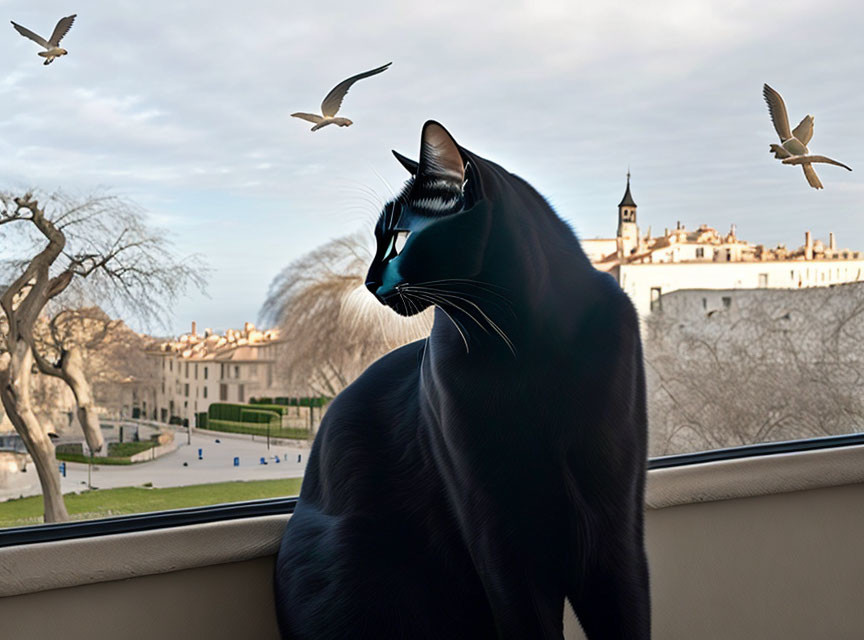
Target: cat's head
column 435, row 232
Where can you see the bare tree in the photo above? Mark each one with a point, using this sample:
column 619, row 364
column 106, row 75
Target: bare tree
column 97, row 250
column 777, row 364
column 333, row 327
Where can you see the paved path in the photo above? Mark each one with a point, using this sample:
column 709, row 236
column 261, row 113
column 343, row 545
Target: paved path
column 216, row 465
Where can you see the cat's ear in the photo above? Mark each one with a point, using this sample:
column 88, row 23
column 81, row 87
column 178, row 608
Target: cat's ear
column 410, row 165
column 440, row 159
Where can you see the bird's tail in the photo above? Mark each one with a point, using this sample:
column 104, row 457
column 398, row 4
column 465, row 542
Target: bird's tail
column 47, row 61
column 810, row 174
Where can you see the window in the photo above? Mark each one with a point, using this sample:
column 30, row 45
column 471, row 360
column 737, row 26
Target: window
column 656, row 304
column 709, row 306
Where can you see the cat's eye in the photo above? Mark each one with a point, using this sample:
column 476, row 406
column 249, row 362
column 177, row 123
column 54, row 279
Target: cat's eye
column 399, row 241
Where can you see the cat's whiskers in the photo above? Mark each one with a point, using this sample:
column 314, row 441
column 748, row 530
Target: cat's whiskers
column 439, row 304
column 447, row 296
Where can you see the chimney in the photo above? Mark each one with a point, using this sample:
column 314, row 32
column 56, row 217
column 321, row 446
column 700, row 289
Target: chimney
column 194, row 328
column 832, row 244
column 808, row 246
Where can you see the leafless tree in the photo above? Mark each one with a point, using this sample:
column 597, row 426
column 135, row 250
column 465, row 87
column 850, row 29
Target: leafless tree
column 333, row 327
column 778, row 364
column 98, row 250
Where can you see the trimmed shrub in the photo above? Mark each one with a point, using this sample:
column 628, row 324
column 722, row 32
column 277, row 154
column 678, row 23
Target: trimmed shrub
column 260, row 417
column 232, row 412
column 176, row 420
column 257, row 429
column 201, row 420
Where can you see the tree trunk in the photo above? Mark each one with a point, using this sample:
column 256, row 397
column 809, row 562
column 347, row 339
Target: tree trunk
column 72, row 368
column 15, row 371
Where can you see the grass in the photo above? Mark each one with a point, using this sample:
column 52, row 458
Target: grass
column 102, row 503
column 118, row 452
column 256, row 429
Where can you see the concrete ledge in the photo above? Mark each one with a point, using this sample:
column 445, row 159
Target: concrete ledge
column 54, row 565
column 756, row 476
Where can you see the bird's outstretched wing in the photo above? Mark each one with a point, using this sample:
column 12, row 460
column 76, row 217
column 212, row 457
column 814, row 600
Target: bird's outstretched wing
column 809, row 159
column 777, row 109
column 311, row 117
column 61, row 30
column 812, row 179
column 804, row 130
column 24, row 31
column 334, row 99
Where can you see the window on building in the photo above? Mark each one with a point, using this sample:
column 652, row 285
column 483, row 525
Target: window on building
column 170, row 365
column 196, row 370
column 236, row 371
column 205, row 393
column 222, row 371
column 186, row 374
column 700, row 252
column 763, row 280
column 241, row 393
column 186, row 390
column 656, row 304
column 704, row 303
column 727, row 302
column 205, row 373
column 223, row 392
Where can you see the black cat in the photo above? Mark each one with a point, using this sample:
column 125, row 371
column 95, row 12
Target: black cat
column 466, row 484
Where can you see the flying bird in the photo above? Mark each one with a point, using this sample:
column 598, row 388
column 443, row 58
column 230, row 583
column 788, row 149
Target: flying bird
column 52, row 45
column 333, row 101
column 793, row 144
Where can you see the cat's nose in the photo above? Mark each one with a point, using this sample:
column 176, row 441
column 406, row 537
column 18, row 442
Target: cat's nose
column 372, row 285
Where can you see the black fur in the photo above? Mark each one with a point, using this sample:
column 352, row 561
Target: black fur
column 464, row 492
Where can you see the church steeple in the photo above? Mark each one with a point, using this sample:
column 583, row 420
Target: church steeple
column 627, row 200
column 628, row 232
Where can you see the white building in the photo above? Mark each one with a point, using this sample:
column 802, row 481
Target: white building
column 197, row 370
column 647, row 267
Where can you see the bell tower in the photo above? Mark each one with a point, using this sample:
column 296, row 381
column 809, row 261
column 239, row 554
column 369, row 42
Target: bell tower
column 628, row 232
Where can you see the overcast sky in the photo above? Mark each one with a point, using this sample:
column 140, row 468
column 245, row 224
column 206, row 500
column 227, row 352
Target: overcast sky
column 185, row 107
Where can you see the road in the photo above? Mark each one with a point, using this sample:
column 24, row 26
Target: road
column 215, row 465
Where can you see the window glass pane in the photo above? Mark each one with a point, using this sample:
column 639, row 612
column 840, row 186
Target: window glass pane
column 189, row 208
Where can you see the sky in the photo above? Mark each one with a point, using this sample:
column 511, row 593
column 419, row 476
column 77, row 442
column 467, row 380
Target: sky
column 184, row 108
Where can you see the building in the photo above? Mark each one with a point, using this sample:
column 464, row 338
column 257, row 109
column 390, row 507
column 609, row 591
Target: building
column 196, row 370
column 647, row 267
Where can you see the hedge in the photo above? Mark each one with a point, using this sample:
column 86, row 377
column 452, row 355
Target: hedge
column 201, row 420
column 260, row 417
column 256, row 429
column 318, row 401
column 118, row 452
column 232, row 412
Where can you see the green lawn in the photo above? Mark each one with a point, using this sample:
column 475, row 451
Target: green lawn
column 102, row 503
column 118, row 452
